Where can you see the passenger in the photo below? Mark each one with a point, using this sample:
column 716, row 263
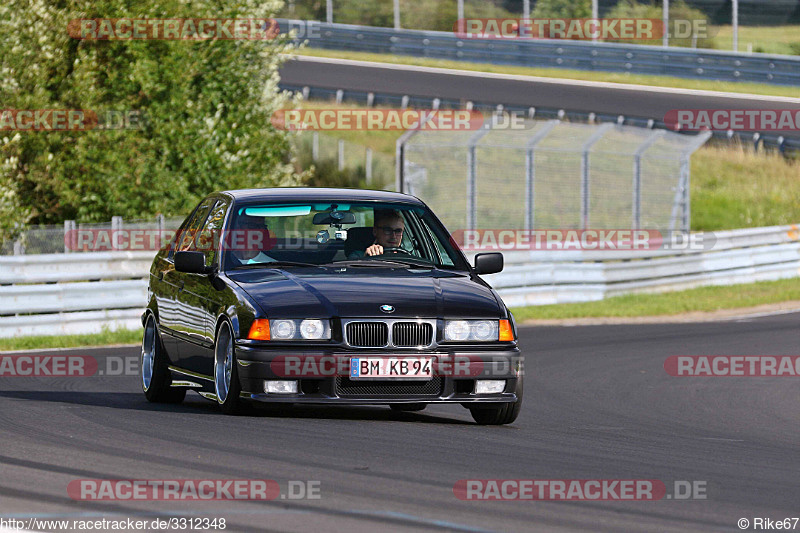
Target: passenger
column 244, row 240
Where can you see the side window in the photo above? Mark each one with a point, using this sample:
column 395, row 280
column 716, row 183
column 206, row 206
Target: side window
column 187, row 236
column 208, row 240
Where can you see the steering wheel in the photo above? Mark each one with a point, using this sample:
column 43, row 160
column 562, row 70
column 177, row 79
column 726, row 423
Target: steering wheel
column 393, row 249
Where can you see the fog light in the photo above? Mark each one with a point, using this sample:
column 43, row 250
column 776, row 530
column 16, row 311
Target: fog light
column 490, row 386
column 280, row 387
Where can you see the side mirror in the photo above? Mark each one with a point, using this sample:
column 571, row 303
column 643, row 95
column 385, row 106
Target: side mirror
column 191, row 262
column 490, row 263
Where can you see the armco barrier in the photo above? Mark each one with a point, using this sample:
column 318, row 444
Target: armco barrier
column 51, row 294
column 583, row 55
column 67, row 294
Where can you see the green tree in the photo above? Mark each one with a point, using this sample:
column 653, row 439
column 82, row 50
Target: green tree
column 206, row 108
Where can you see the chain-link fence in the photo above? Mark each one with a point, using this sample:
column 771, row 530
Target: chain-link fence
column 551, row 174
column 378, row 168
column 71, row 237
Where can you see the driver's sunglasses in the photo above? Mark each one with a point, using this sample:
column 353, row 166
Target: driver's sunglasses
column 388, row 230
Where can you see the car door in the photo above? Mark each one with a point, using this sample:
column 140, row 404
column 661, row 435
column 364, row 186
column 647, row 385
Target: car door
column 199, row 299
column 169, row 282
column 184, row 322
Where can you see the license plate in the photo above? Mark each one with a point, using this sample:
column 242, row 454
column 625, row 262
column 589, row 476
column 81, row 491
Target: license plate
column 391, row 368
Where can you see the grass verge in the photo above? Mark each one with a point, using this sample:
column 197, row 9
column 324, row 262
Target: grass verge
column 764, row 39
column 588, row 75
column 703, row 299
column 125, row 336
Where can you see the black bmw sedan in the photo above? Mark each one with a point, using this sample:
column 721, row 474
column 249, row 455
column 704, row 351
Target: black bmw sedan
column 327, row 296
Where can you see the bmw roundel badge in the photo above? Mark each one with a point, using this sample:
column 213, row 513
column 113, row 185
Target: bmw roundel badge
column 387, row 308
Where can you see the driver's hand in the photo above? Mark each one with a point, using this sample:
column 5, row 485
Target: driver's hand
column 375, row 249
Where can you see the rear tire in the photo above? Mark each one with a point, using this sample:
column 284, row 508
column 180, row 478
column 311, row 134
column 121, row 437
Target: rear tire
column 408, row 406
column 156, row 377
column 497, row 414
column 226, row 377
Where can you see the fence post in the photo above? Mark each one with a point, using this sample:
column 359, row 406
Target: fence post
column 601, row 130
column 341, row 154
column 69, row 235
column 400, row 152
column 472, row 173
column 530, row 171
column 637, row 176
column 315, row 146
column 686, row 196
column 116, row 226
column 368, row 164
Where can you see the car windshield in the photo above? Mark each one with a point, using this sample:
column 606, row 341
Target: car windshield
column 367, row 234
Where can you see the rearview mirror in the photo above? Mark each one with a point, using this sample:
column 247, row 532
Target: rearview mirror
column 490, row 263
column 334, row 217
column 191, row 262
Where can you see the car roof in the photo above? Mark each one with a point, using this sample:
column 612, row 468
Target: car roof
column 305, row 194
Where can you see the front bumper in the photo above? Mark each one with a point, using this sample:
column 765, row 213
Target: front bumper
column 453, row 380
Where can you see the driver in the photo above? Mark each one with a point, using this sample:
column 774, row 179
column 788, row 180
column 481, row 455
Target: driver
column 388, row 231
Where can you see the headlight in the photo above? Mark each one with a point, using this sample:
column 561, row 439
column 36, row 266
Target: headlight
column 477, row 330
column 312, row 329
column 282, row 329
column 292, row 329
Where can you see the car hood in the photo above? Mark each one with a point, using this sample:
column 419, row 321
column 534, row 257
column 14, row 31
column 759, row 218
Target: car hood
column 298, row 293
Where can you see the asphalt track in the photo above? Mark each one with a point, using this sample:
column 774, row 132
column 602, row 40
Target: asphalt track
column 598, row 405
column 572, row 95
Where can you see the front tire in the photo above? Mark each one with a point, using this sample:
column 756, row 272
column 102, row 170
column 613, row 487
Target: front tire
column 226, row 377
column 156, row 377
column 497, row 414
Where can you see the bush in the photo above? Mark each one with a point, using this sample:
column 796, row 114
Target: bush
column 678, row 9
column 438, row 15
column 207, row 105
column 557, row 9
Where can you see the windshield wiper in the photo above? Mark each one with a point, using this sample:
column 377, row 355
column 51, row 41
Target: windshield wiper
column 276, row 264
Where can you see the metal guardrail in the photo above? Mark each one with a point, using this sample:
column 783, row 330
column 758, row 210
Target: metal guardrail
column 68, row 294
column 737, row 256
column 32, row 304
column 550, row 53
